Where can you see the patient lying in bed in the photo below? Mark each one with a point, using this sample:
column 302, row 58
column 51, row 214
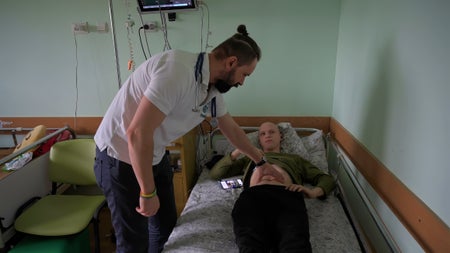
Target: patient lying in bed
column 270, row 215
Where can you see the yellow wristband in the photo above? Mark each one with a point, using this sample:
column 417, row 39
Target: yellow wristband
column 148, row 196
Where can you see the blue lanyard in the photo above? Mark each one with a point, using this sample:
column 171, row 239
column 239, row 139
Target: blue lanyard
column 198, row 68
column 213, row 107
column 198, row 74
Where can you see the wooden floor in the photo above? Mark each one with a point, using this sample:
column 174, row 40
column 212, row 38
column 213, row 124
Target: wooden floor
column 106, row 240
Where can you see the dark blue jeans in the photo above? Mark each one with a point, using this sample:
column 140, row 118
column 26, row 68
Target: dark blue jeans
column 269, row 218
column 134, row 232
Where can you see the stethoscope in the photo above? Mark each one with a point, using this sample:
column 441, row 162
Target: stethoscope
column 198, row 80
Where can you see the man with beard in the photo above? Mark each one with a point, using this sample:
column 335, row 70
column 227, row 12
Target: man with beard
column 163, row 99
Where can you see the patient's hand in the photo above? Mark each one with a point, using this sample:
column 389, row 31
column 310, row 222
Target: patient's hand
column 307, row 192
column 235, row 154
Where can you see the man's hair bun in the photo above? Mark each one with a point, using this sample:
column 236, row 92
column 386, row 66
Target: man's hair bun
column 242, row 30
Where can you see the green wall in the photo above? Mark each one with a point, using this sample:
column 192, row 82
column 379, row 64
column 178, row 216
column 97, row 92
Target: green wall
column 47, row 71
column 391, row 92
column 381, row 68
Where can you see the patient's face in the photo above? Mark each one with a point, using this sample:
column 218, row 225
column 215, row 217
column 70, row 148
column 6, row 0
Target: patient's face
column 269, row 137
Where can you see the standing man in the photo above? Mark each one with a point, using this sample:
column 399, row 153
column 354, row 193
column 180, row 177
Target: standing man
column 164, row 98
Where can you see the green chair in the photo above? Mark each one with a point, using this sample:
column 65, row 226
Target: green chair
column 71, row 162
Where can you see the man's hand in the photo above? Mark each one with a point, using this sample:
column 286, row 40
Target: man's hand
column 267, row 170
column 308, row 192
column 148, row 206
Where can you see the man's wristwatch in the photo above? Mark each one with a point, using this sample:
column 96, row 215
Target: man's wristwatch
column 262, row 162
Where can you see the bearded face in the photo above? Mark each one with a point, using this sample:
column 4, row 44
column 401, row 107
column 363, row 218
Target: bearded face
column 224, row 85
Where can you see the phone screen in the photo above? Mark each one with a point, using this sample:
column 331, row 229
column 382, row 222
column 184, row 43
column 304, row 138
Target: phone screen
column 231, row 183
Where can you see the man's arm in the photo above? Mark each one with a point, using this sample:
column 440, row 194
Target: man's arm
column 140, row 144
column 237, row 137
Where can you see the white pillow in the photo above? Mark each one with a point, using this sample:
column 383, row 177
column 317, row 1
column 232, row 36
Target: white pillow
column 315, row 145
column 291, row 142
column 252, row 136
column 311, row 147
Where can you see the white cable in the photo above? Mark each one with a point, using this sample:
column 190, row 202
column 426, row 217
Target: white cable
column 202, row 5
column 164, row 29
column 145, row 34
column 76, row 82
column 201, row 30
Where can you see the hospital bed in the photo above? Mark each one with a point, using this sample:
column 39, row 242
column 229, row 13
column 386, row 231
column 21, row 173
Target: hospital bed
column 205, row 224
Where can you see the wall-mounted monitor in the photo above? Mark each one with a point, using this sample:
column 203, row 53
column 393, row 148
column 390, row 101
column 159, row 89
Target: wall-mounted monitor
column 154, row 6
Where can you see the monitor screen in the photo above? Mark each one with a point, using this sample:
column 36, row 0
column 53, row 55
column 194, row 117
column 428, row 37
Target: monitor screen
column 149, row 6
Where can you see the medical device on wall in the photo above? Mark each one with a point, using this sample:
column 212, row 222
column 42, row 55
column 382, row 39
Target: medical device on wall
column 170, row 6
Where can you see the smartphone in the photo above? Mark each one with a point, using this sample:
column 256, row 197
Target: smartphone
column 231, row 183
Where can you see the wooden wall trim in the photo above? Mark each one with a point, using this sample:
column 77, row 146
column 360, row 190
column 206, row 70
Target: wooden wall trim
column 423, row 224
column 89, row 125
column 81, row 125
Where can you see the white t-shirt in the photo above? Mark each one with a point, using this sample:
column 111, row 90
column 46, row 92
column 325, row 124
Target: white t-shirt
column 168, row 81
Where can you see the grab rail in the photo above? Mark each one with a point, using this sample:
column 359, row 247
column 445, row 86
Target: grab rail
column 15, row 130
column 35, row 144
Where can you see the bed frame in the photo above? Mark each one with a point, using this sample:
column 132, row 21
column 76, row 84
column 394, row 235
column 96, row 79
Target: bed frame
column 323, row 238
column 372, row 234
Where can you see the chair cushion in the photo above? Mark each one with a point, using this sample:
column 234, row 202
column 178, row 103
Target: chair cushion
column 56, row 215
column 72, row 162
column 78, row 243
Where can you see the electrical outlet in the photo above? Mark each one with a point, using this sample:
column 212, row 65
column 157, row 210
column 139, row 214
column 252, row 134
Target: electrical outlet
column 80, row 28
column 102, row 27
column 152, row 26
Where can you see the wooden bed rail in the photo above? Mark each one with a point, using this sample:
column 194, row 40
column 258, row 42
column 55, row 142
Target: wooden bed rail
column 423, row 224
